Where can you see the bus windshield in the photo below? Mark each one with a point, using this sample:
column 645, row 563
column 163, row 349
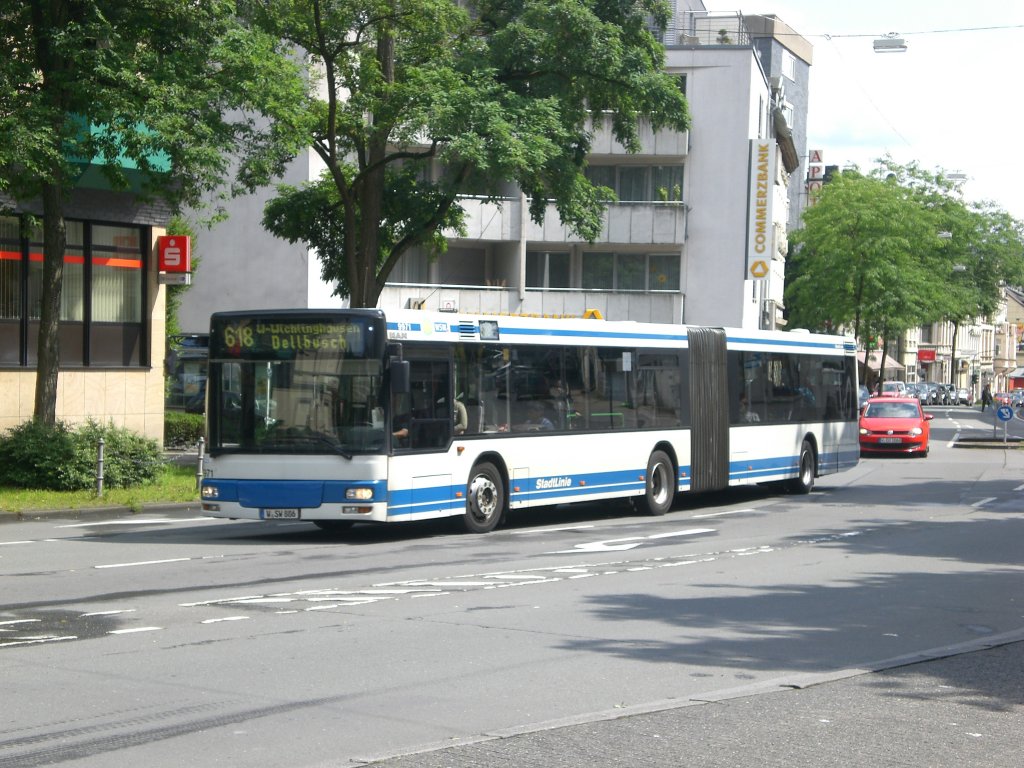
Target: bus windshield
column 309, row 385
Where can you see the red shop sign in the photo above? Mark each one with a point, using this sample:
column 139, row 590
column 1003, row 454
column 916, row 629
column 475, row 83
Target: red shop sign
column 175, row 253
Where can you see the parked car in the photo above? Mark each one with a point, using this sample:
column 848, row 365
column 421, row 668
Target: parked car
column 894, row 389
column 894, row 425
column 949, row 396
column 932, row 389
column 963, row 396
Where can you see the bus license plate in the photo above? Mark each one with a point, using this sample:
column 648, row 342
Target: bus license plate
column 890, row 439
column 280, row 514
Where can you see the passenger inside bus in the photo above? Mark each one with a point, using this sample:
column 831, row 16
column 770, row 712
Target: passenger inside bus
column 536, row 419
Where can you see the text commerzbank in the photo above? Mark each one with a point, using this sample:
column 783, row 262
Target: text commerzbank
column 762, row 173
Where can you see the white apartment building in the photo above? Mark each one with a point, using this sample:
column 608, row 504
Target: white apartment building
column 676, row 248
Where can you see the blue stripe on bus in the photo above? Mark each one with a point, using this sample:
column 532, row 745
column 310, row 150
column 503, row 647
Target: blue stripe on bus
column 505, row 331
column 309, row 494
column 791, row 343
column 622, row 482
column 304, row 494
column 794, row 341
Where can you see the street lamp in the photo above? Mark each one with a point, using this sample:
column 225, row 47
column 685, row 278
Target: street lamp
column 891, row 43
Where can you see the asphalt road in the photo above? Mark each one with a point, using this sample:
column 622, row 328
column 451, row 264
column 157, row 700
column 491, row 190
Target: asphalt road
column 878, row 621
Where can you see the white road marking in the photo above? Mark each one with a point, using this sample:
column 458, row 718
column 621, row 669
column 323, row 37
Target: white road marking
column 145, row 562
column 19, row 621
column 982, row 502
column 554, row 530
column 36, row 642
column 133, row 630
column 614, row 545
column 109, row 613
column 1019, row 488
column 7, row 543
column 720, row 514
column 226, row 618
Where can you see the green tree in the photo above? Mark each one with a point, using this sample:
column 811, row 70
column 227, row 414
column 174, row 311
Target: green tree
column 425, row 99
column 860, row 259
column 180, row 89
column 898, row 248
column 984, row 251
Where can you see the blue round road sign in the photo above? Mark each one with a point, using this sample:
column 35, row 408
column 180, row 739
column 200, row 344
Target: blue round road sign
column 1004, row 412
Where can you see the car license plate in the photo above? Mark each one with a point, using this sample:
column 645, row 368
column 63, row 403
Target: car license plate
column 280, row 514
column 890, row 439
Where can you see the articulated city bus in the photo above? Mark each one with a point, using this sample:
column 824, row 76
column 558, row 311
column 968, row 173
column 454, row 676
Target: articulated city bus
column 343, row 416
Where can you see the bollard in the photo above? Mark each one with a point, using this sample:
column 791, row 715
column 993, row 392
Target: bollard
column 99, row 469
column 199, row 465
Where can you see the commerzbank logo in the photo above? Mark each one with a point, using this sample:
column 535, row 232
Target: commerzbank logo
column 546, row 483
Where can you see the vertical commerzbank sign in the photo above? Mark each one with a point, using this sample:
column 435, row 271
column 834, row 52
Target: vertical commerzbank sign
column 759, row 208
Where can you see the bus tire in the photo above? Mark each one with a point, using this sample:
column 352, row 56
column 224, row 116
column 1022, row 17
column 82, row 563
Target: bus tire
column 804, row 481
column 485, row 499
column 660, row 484
column 333, row 526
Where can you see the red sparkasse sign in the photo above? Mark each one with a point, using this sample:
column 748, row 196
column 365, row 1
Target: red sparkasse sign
column 926, row 355
column 175, row 253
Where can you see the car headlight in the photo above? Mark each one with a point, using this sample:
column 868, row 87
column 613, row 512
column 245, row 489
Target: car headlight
column 916, row 431
column 865, row 431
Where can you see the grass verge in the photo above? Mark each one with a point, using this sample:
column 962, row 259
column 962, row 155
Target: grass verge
column 174, row 485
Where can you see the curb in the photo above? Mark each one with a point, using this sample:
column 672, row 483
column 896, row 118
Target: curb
column 1010, row 443
column 91, row 513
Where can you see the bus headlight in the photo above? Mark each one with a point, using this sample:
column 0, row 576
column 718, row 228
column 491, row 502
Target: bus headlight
column 210, row 492
column 359, row 494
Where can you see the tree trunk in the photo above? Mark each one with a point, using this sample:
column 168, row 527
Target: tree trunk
column 48, row 350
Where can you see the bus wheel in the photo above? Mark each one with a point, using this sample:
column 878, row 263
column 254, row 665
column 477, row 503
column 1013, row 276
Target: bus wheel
column 661, row 486
column 485, row 499
column 804, row 481
column 333, row 526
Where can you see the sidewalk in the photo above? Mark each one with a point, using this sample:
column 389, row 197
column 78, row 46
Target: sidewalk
column 952, row 711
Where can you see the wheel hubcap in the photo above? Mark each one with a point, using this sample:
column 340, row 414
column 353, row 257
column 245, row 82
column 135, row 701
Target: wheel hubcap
column 483, row 497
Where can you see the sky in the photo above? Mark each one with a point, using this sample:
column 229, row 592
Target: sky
column 953, row 101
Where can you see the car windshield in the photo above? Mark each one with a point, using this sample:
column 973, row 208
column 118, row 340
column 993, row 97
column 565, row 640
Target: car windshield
column 891, row 411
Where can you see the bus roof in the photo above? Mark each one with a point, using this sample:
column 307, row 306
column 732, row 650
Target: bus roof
column 420, row 325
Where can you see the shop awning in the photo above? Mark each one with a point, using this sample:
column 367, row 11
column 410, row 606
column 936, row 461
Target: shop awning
column 875, row 358
column 1016, row 373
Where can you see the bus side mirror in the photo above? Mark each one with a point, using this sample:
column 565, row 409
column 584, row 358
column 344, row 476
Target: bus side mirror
column 400, row 378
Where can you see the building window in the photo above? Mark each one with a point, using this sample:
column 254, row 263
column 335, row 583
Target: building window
column 598, row 271
column 102, row 294
column 547, row 270
column 789, row 65
column 640, row 183
column 630, row 271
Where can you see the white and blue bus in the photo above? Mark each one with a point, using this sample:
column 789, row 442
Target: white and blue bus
column 342, row 416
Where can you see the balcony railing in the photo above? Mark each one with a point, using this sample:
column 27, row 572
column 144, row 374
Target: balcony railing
column 656, row 307
column 636, row 223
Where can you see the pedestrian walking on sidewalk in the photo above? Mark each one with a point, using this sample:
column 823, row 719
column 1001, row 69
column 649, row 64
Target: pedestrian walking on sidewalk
column 986, row 397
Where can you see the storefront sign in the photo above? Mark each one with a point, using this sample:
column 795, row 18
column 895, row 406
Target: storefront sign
column 175, row 253
column 926, row 355
column 760, row 225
